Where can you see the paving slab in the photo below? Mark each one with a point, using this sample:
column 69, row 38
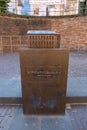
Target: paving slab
column 31, row 122
column 7, row 113
column 10, row 87
column 12, row 118
column 77, row 86
column 78, row 116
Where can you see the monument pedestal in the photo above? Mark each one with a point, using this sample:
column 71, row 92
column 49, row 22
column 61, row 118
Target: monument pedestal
column 44, row 80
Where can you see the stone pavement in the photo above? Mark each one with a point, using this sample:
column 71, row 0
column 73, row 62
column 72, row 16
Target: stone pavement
column 12, row 118
column 7, row 113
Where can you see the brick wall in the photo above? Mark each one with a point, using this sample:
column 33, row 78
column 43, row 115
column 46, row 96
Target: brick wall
column 73, row 31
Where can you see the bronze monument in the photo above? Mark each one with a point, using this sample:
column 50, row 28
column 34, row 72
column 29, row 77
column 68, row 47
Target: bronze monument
column 44, row 80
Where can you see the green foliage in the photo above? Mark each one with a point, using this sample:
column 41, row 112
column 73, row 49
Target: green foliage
column 83, row 7
column 4, row 5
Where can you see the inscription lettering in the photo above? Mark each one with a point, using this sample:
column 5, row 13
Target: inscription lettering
column 44, row 73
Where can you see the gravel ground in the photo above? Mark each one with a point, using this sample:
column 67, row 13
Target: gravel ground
column 10, row 65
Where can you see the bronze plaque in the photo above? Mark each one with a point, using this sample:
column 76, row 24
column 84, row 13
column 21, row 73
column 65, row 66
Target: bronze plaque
column 44, row 80
column 44, row 40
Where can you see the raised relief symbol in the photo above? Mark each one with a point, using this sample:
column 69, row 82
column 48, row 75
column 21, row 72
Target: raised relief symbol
column 37, row 103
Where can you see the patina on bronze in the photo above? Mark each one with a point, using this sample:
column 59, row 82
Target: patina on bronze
column 44, row 80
